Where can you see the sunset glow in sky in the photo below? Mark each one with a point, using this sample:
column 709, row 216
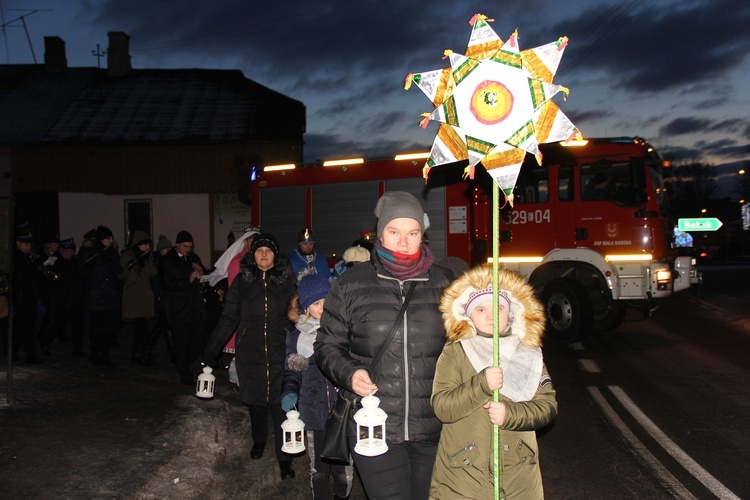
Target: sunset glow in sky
column 671, row 71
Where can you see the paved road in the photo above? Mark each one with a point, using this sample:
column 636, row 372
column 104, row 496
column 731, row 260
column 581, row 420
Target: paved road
column 76, row 431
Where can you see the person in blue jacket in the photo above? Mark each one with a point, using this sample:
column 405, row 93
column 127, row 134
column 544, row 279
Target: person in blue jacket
column 306, row 388
column 305, row 260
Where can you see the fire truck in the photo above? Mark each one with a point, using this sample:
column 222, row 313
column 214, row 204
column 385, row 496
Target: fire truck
column 590, row 228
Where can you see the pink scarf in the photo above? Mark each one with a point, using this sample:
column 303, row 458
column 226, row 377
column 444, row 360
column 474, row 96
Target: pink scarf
column 404, row 266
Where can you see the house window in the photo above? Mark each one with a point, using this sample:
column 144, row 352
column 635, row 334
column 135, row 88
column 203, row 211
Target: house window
column 138, row 217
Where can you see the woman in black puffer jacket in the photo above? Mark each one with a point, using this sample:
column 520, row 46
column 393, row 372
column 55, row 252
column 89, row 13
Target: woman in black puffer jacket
column 359, row 314
column 256, row 307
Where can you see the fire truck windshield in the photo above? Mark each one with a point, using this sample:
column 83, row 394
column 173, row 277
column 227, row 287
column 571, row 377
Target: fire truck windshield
column 657, row 179
column 618, row 182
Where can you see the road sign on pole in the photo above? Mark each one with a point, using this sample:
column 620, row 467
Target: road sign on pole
column 699, row 224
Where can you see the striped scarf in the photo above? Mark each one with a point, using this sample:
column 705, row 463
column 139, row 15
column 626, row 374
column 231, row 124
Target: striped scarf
column 404, row 266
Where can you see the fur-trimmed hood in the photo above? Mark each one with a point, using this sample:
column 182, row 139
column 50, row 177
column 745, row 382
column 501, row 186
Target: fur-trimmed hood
column 281, row 273
column 526, row 315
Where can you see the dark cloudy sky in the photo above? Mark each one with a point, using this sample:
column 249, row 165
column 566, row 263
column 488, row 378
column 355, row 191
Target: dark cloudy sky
column 672, row 71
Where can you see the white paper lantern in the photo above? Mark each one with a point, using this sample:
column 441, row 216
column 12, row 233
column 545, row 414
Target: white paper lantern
column 370, row 428
column 204, row 388
column 294, row 431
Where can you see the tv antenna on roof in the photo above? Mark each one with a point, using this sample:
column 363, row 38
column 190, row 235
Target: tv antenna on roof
column 99, row 53
column 10, row 24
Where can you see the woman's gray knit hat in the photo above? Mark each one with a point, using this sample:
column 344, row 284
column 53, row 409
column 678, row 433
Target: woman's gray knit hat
column 398, row 204
column 163, row 243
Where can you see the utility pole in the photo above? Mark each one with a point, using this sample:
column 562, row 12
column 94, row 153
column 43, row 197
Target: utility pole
column 98, row 53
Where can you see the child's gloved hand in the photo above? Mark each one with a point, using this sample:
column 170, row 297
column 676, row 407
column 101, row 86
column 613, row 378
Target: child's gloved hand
column 496, row 412
column 288, row 401
column 494, row 376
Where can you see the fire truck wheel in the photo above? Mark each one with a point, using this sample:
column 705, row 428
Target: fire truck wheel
column 569, row 310
column 611, row 319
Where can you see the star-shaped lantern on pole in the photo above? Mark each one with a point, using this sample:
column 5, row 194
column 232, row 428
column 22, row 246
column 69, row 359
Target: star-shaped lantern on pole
column 494, row 104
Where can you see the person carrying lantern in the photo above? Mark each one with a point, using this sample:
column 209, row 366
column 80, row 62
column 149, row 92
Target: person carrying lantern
column 361, row 309
column 256, row 308
column 306, row 388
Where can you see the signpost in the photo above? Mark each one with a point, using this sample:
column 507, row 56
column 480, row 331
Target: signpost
column 699, row 224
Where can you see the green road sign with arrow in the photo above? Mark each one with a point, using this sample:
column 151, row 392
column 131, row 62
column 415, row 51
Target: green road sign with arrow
column 699, row 224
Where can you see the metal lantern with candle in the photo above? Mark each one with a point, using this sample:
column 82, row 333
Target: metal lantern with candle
column 205, row 386
column 370, row 421
column 293, row 429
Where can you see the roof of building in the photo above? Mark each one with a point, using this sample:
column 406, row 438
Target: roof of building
column 148, row 105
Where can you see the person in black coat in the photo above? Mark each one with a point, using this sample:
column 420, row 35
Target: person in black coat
column 180, row 273
column 161, row 327
column 66, row 299
column 256, row 307
column 25, row 295
column 359, row 313
column 100, row 265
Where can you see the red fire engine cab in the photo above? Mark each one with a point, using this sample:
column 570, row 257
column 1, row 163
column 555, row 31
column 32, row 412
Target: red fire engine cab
column 590, row 228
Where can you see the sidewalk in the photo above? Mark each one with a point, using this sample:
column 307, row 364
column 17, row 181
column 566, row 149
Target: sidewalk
column 76, row 431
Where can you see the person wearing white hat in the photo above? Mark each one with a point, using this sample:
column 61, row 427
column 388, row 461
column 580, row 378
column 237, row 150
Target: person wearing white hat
column 466, row 378
column 352, row 255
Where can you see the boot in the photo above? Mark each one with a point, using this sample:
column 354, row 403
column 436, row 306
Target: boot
column 170, row 345
column 148, row 356
column 257, row 452
column 286, row 470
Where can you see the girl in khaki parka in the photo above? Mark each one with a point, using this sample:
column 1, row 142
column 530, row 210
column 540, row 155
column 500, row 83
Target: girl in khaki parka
column 465, row 380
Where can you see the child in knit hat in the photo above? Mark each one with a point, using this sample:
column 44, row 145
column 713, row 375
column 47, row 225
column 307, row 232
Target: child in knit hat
column 306, row 388
column 465, row 380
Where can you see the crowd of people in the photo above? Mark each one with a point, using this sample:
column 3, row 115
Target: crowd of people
column 103, row 291
column 296, row 335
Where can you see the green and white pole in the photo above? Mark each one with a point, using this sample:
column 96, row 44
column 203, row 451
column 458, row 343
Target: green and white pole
column 495, row 331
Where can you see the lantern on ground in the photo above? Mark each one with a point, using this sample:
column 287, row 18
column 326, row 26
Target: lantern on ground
column 205, row 386
column 370, row 421
column 293, row 429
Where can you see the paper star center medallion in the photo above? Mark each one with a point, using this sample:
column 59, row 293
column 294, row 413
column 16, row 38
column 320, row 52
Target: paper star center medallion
column 491, row 102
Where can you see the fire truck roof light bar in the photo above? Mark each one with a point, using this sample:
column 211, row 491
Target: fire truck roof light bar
column 518, row 260
column 628, row 257
column 575, row 143
column 412, row 156
column 275, row 168
column 346, row 161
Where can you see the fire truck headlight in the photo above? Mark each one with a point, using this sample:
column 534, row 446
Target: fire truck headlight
column 663, row 279
column 663, row 275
